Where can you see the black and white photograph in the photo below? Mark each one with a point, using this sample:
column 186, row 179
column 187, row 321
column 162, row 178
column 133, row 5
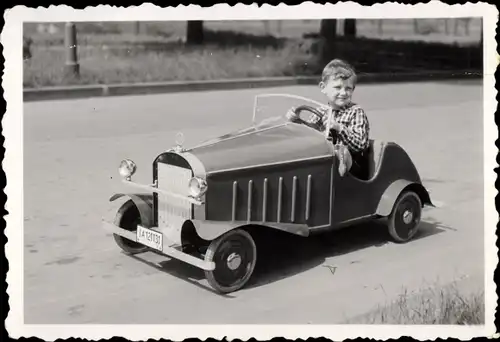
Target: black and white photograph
column 251, row 171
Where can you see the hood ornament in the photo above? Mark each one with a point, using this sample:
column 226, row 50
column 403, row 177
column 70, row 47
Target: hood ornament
column 179, row 140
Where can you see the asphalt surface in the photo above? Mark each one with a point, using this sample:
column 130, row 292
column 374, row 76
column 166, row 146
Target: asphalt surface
column 74, row 272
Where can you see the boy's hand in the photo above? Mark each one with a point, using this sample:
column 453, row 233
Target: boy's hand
column 291, row 115
column 314, row 119
column 336, row 126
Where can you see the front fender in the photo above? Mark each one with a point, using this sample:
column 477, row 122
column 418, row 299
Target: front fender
column 143, row 202
column 393, row 191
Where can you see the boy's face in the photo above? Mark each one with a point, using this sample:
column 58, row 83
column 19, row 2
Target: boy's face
column 338, row 91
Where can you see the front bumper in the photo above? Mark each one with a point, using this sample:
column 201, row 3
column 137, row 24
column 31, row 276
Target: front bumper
column 164, row 247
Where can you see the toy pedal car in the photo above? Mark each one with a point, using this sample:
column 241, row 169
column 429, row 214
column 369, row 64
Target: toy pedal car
column 205, row 202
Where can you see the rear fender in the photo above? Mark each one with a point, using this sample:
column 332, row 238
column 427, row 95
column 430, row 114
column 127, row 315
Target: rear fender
column 392, row 193
column 143, row 202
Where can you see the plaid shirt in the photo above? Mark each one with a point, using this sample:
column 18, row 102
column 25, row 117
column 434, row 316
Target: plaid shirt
column 355, row 129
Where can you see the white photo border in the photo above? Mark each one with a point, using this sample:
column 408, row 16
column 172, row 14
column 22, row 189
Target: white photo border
column 11, row 38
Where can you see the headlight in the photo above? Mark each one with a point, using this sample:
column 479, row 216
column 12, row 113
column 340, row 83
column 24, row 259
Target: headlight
column 127, row 168
column 197, row 187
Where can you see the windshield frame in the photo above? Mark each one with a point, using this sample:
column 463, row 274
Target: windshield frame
column 292, row 96
column 255, row 127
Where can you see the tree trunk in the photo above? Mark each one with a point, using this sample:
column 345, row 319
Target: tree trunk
column 137, row 28
column 416, row 28
column 194, row 34
column 27, row 41
column 481, row 41
column 328, row 29
column 350, row 28
column 328, row 33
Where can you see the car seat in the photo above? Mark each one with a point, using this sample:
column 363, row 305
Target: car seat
column 366, row 167
column 374, row 157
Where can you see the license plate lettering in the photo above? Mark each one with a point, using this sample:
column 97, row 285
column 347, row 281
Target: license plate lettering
column 150, row 238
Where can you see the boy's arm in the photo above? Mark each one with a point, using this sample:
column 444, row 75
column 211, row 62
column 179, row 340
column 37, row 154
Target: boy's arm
column 356, row 135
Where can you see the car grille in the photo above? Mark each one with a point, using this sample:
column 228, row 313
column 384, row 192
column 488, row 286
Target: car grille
column 172, row 212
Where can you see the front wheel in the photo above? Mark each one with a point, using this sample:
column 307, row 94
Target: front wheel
column 235, row 256
column 405, row 217
column 128, row 217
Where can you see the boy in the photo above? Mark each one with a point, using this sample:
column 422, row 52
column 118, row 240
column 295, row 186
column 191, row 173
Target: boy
column 343, row 121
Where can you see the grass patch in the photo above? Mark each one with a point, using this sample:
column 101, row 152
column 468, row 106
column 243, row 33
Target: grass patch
column 107, row 55
column 150, row 63
column 443, row 305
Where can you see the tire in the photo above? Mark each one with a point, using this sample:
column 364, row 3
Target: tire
column 405, row 218
column 128, row 217
column 235, row 256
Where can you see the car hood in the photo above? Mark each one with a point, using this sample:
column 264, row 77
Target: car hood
column 253, row 147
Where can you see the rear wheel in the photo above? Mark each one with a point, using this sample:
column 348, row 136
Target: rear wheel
column 235, row 256
column 128, row 217
column 405, row 217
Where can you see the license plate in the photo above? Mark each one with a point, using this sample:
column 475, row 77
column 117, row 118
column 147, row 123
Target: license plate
column 150, row 238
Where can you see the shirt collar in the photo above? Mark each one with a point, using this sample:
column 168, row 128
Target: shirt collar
column 349, row 105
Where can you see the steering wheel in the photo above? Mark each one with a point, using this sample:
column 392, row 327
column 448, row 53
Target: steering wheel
column 310, row 109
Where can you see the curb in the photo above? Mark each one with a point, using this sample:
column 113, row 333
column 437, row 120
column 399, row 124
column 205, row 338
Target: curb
column 86, row 91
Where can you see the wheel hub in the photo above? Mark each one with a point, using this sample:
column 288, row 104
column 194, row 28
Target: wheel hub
column 233, row 261
column 407, row 217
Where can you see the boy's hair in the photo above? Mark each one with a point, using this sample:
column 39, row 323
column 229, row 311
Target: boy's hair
column 338, row 68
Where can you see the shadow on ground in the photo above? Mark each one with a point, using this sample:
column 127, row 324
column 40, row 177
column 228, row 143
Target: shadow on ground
column 180, row 270
column 282, row 255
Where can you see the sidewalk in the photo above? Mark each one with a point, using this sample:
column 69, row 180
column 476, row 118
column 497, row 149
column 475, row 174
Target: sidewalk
column 99, row 90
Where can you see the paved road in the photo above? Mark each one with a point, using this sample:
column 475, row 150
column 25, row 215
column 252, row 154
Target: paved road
column 74, row 272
